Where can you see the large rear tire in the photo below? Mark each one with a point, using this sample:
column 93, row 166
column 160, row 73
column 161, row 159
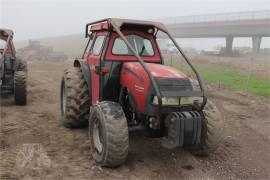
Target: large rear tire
column 212, row 131
column 20, row 88
column 74, row 99
column 108, row 133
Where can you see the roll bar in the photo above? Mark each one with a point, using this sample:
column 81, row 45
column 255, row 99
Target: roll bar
column 117, row 23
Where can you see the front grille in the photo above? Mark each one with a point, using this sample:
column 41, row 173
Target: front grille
column 174, row 84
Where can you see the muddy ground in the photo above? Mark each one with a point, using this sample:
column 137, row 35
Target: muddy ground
column 34, row 145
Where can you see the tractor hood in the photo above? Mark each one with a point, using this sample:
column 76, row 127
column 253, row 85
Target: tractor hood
column 170, row 81
column 158, row 71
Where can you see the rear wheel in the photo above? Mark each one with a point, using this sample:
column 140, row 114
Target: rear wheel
column 74, row 99
column 212, row 131
column 108, row 133
column 20, row 88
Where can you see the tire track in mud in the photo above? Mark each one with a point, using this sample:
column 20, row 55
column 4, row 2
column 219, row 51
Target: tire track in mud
column 23, row 126
column 65, row 153
column 8, row 163
column 67, row 149
column 237, row 157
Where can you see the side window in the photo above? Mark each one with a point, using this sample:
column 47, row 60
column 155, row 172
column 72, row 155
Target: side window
column 98, row 45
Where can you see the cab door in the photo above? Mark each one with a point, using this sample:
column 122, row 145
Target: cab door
column 94, row 58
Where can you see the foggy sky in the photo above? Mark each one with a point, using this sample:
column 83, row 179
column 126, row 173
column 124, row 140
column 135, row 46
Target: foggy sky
column 45, row 18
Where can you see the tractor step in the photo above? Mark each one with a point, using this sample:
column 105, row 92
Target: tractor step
column 183, row 129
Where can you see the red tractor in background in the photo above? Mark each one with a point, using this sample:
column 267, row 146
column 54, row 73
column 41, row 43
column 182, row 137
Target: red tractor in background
column 35, row 51
column 121, row 84
column 13, row 71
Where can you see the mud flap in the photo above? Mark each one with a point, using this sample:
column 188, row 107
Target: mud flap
column 183, row 129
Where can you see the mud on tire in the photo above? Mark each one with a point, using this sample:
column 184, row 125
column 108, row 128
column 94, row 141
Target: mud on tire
column 20, row 88
column 22, row 66
column 108, row 133
column 212, row 131
column 74, row 99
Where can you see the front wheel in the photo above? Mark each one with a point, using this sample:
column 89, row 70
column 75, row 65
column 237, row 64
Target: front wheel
column 108, row 133
column 212, row 131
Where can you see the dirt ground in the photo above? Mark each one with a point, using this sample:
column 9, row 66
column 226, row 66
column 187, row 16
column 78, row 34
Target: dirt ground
column 34, row 145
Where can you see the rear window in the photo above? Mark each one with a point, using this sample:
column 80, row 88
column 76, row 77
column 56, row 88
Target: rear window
column 141, row 45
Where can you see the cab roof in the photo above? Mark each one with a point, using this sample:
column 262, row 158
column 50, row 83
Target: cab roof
column 128, row 22
column 6, row 32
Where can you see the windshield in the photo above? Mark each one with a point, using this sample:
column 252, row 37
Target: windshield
column 141, row 45
column 2, row 44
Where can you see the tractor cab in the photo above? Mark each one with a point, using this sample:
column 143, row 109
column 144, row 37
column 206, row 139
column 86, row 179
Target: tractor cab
column 107, row 52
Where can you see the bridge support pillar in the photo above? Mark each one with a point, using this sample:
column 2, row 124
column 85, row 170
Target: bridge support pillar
column 256, row 43
column 229, row 43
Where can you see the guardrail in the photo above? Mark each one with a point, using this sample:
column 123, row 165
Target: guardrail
column 237, row 16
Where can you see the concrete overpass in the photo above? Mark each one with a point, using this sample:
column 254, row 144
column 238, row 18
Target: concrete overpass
column 254, row 24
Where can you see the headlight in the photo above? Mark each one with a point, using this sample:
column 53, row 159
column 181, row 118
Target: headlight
column 174, row 100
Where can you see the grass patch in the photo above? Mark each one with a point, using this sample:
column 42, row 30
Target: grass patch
column 236, row 80
column 231, row 78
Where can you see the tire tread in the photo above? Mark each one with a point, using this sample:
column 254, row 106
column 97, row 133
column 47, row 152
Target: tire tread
column 116, row 133
column 77, row 99
column 20, row 88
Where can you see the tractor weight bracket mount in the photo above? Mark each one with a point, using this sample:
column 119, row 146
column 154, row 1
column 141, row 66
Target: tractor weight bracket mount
column 183, row 129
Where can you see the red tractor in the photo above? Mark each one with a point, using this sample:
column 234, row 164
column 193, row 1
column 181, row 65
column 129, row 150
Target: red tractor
column 121, row 84
column 13, row 71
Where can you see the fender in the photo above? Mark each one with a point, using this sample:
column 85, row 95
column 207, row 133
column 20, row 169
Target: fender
column 125, row 91
column 133, row 103
column 83, row 65
column 137, row 82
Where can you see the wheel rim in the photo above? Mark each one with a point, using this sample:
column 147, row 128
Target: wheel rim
column 97, row 137
column 64, row 100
